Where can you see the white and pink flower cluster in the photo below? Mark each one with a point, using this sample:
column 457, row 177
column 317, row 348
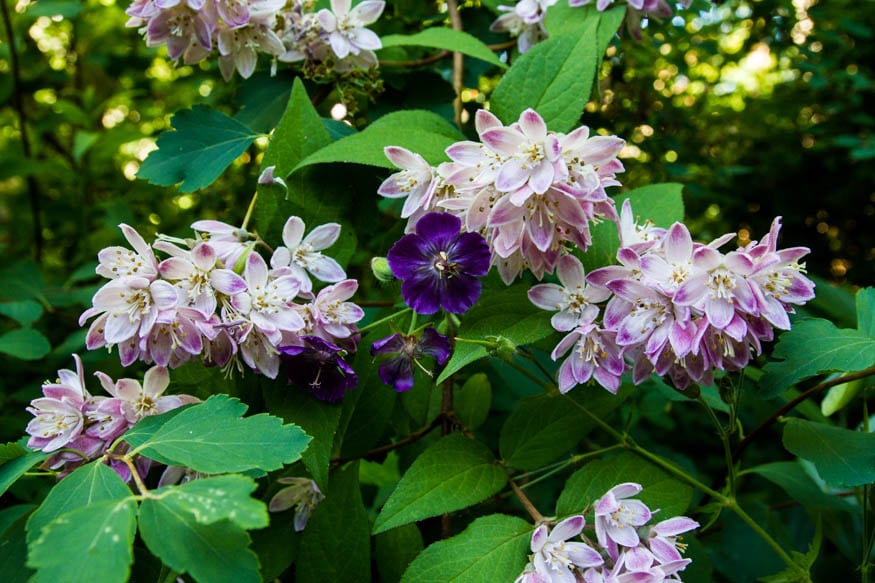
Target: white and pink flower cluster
column 529, row 191
column 675, row 307
column 239, row 30
column 191, row 304
column 69, row 418
column 626, row 549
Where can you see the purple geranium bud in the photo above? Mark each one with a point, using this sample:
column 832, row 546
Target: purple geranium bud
column 439, row 265
column 319, row 366
column 398, row 370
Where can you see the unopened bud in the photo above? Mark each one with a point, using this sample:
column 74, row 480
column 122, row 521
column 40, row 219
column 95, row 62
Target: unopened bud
column 381, row 270
column 505, row 349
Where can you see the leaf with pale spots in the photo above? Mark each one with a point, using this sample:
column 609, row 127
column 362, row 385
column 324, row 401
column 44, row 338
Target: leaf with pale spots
column 91, row 484
column 93, row 543
column 210, row 500
column 212, row 437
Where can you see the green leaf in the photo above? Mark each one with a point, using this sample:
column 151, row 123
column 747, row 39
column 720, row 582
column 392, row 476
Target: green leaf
column 865, row 300
column 16, row 461
column 661, row 204
column 21, row 281
column 454, row 473
column 593, row 480
column 25, row 343
column 423, row 132
column 13, row 545
column 472, row 401
column 94, row 543
column 213, row 438
column 544, row 427
column 839, row 396
column 395, row 549
column 554, row 78
column 791, row 477
column 218, row 498
column 814, row 347
column 317, row 418
column 202, row 144
column 91, row 484
column 25, row 312
column 336, row 542
column 214, row 552
column 263, row 98
column 492, row 548
column 508, row 314
column 842, row 457
column 448, row 39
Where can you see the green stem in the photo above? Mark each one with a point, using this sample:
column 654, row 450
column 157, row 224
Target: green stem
column 560, row 466
column 727, row 447
column 249, row 211
column 485, row 343
column 376, row 323
column 412, row 326
column 530, row 376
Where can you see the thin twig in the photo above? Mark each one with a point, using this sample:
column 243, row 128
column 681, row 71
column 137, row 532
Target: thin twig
column 417, row 62
column 793, row 402
column 458, row 62
column 378, row 451
column 527, row 504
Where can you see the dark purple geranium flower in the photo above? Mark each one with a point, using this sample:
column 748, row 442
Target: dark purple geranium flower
column 440, row 265
column 398, row 370
column 319, row 366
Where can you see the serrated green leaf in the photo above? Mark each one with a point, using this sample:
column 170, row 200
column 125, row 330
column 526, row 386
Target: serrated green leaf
column 317, row 418
column 217, row 552
column 661, row 204
column 91, row 484
column 791, row 477
column 263, row 98
column 509, row 314
column 212, row 437
column 15, row 461
column 593, row 480
column 865, row 300
column 493, row 548
column 554, row 78
column 420, row 131
column 25, row 343
column 395, row 549
column 218, row 498
column 25, row 312
column 454, row 473
column 842, row 457
column 448, row 39
column 542, row 428
column 202, row 144
column 94, row 543
column 814, row 347
column 472, row 401
column 336, row 542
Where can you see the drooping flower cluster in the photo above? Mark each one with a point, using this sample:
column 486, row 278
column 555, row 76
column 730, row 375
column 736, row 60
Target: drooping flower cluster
column 241, row 29
column 626, row 549
column 192, row 304
column 529, row 191
column 68, row 417
column 676, row 307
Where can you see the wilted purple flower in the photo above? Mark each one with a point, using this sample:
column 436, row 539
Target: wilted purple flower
column 398, row 370
column 303, row 494
column 319, row 366
column 440, row 265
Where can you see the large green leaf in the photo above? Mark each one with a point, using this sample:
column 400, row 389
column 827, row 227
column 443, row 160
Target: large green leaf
column 454, row 473
column 508, row 314
column 94, row 543
column 16, row 461
column 555, row 77
column 814, row 347
column 202, row 144
column 218, row 498
column 423, row 132
column 395, row 549
column 213, row 438
column 792, row 478
column 89, row 485
column 493, row 548
column 542, row 428
column 473, row 400
column 593, row 480
column 661, row 204
column 25, row 312
column 842, row 457
column 865, row 300
column 445, row 38
column 211, row 552
column 25, row 343
column 13, row 544
column 336, row 544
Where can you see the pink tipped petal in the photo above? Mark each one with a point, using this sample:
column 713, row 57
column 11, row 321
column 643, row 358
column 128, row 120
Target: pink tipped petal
column 533, row 125
column 203, row 256
column 568, row 528
column 367, row 12
column 323, row 236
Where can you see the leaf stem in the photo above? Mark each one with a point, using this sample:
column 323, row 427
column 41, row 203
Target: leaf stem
column 846, row 378
column 378, row 451
column 527, row 504
column 724, row 439
column 135, row 474
column 249, row 211
column 381, row 321
column 559, row 466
